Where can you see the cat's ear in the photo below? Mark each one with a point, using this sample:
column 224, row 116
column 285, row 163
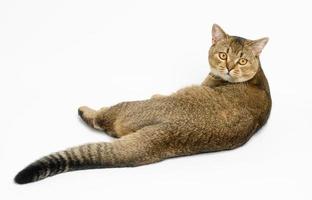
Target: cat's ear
column 217, row 34
column 258, row 45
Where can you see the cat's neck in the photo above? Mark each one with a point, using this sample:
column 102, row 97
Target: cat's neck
column 213, row 81
column 260, row 81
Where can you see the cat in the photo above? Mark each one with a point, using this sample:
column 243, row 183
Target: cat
column 221, row 113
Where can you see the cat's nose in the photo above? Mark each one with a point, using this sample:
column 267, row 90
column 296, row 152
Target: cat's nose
column 229, row 69
column 230, row 65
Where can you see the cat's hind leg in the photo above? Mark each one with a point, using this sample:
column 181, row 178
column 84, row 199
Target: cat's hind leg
column 102, row 119
column 88, row 116
column 118, row 120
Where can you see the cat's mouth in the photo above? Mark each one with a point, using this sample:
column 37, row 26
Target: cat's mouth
column 228, row 77
column 223, row 75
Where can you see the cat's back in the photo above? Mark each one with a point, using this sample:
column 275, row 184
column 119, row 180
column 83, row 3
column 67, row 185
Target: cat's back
column 233, row 94
column 233, row 99
column 247, row 100
column 243, row 94
column 229, row 114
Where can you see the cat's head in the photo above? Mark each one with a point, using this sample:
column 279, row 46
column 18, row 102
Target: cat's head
column 232, row 58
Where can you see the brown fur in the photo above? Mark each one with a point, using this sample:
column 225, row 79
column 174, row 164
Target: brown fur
column 220, row 114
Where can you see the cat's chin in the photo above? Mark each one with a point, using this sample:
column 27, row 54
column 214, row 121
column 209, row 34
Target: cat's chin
column 225, row 77
column 228, row 77
column 231, row 79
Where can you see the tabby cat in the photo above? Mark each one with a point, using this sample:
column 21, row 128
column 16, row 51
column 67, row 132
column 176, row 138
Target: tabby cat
column 222, row 113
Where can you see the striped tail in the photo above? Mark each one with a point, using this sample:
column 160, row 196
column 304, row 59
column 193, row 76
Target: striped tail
column 145, row 146
column 87, row 156
column 123, row 153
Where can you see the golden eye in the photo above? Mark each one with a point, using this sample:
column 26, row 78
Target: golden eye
column 222, row 56
column 242, row 61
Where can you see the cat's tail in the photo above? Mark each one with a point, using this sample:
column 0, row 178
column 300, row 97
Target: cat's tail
column 131, row 150
column 82, row 157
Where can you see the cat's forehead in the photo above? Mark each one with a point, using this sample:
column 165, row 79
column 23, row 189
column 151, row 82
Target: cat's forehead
column 234, row 44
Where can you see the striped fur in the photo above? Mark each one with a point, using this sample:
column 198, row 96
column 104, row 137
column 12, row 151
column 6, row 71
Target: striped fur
column 82, row 157
column 220, row 114
column 128, row 151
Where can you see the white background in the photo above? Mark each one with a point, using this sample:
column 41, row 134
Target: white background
column 58, row 55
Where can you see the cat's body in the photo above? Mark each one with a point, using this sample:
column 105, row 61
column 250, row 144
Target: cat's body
column 198, row 111
column 216, row 115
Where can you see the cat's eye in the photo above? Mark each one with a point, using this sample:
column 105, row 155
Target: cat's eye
column 222, row 56
column 242, row 61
